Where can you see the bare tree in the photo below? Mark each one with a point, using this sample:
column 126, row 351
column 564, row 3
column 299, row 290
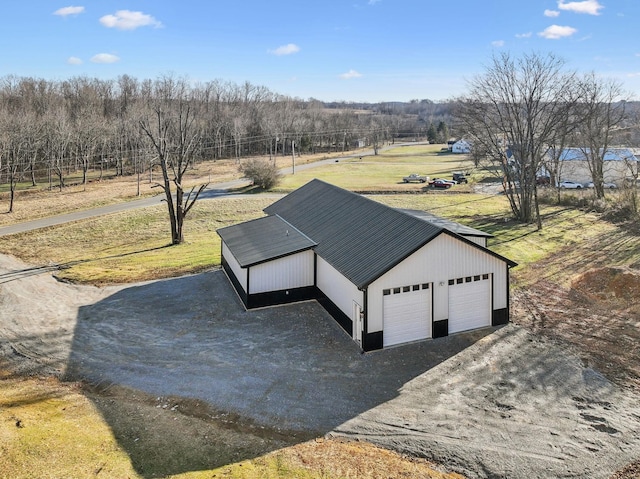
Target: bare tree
column 514, row 111
column 170, row 126
column 567, row 123
column 17, row 151
column 601, row 109
column 56, row 143
column 631, row 183
column 88, row 134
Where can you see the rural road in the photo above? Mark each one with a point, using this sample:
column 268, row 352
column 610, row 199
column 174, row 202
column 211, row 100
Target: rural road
column 213, row 191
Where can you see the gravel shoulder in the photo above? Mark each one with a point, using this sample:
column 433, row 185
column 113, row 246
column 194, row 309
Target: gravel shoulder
column 502, row 402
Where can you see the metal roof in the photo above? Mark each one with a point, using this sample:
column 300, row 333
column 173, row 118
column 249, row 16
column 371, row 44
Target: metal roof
column 361, row 238
column 264, row 239
column 612, row 154
column 447, row 224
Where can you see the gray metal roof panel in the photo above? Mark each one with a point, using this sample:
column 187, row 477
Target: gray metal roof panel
column 264, row 239
column 461, row 229
column 359, row 237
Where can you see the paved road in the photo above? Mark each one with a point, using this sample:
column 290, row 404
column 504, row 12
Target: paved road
column 213, row 191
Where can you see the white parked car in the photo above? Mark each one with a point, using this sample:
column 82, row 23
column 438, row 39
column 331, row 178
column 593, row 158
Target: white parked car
column 606, row 185
column 570, row 185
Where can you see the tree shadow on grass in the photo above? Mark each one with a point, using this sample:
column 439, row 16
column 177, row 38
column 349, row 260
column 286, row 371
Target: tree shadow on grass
column 261, row 379
column 18, row 274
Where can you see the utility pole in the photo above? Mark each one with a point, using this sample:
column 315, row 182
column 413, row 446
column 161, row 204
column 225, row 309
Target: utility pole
column 293, row 157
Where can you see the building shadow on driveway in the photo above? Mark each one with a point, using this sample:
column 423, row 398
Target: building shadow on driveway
column 290, row 368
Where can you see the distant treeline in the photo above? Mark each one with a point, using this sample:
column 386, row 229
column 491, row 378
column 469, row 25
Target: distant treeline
column 50, row 128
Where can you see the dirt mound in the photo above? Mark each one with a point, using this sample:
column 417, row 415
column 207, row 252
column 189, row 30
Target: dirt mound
column 618, row 288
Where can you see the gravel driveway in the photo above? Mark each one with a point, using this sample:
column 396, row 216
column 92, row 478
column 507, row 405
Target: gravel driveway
column 492, row 403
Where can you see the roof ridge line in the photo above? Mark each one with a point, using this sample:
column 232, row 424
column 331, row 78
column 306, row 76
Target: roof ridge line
column 300, row 232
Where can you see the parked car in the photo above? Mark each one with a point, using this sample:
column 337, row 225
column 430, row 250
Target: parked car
column 415, row 178
column 441, row 183
column 605, row 185
column 570, row 185
column 453, row 182
column 460, row 178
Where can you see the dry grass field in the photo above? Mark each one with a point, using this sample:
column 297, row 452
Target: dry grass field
column 53, row 429
column 50, row 429
column 577, row 283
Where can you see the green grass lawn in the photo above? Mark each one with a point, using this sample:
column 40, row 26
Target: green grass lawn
column 384, row 172
column 134, row 245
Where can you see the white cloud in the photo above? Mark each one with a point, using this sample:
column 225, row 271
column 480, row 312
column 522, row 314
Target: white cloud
column 373, row 2
column 497, row 43
column 105, row 58
column 128, row 20
column 523, row 35
column 74, row 61
column 287, row 49
column 591, row 7
column 350, row 74
column 551, row 13
column 554, row 32
column 66, row 11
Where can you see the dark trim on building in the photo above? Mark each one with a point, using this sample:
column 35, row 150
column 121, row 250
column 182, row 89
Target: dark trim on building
column 315, row 269
column 440, row 328
column 273, row 258
column 500, row 316
column 283, row 296
column 427, row 241
column 365, row 316
column 248, row 286
column 508, row 279
column 236, row 284
column 492, row 293
column 342, row 319
column 372, row 341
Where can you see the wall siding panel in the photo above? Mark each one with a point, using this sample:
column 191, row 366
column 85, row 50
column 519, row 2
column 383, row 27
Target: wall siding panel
column 293, row 271
column 442, row 259
column 337, row 288
column 240, row 272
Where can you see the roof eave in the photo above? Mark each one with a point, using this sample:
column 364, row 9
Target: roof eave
column 509, row 263
column 274, row 258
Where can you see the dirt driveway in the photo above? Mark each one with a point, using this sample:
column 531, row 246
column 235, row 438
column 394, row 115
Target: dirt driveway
column 494, row 403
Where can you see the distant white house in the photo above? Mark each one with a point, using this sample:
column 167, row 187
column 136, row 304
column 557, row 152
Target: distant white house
column 461, row 146
column 619, row 164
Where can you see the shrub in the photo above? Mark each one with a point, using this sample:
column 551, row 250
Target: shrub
column 616, row 207
column 263, row 173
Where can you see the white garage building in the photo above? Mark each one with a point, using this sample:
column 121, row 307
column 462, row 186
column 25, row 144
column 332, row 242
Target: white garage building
column 387, row 276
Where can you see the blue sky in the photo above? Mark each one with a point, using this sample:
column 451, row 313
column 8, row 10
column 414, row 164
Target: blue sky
column 332, row 50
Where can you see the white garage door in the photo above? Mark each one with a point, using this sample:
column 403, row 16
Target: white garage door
column 406, row 314
column 469, row 303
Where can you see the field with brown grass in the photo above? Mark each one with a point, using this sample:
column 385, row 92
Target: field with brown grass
column 577, row 284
